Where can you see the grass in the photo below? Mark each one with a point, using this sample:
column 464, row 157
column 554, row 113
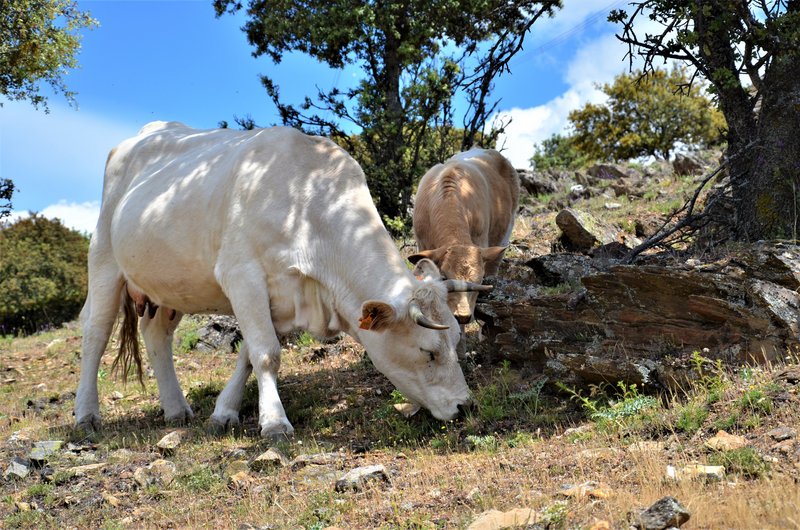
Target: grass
column 509, row 451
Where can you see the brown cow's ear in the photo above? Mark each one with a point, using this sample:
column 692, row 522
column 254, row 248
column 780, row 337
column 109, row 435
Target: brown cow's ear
column 426, row 270
column 492, row 254
column 376, row 315
column 435, row 255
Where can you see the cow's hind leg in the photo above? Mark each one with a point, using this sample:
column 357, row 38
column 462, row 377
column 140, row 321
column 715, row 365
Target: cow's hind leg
column 229, row 402
column 158, row 332
column 97, row 317
column 246, row 288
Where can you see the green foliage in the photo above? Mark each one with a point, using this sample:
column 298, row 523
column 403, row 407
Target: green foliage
column 416, row 56
column 744, row 461
column 558, row 151
column 39, row 41
column 646, row 116
column 6, row 191
column 616, row 410
column 202, row 480
column 43, row 276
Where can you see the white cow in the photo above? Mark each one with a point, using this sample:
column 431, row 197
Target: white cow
column 272, row 226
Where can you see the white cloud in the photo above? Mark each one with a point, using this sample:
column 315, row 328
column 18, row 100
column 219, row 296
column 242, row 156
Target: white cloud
column 78, row 216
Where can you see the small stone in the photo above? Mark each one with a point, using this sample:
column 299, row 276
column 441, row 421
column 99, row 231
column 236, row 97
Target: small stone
column 18, row 439
column 407, row 409
column 237, row 466
column 270, row 459
column 158, row 473
column 612, row 206
column 317, row 459
column 785, row 447
column 116, row 395
column 318, row 475
column 591, row 489
column 169, row 443
column 701, row 471
column 22, row 506
column 80, row 471
column 726, row 442
column 600, row 524
column 42, row 451
column 110, row 499
column 17, row 469
column 240, row 480
column 666, row 512
column 355, row 479
column 495, row 519
column 780, row 434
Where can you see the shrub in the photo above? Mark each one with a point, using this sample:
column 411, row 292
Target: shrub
column 43, row 274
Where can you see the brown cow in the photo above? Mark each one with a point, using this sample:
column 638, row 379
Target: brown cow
column 463, row 216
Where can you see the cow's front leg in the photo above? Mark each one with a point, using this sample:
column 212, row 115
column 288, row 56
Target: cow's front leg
column 229, row 402
column 246, row 289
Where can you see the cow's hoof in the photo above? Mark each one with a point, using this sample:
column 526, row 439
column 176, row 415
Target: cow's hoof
column 219, row 425
column 277, row 431
column 180, row 417
column 89, row 423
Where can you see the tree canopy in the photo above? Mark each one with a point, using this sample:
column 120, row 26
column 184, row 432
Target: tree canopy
column 749, row 52
column 416, row 57
column 647, row 116
column 39, row 41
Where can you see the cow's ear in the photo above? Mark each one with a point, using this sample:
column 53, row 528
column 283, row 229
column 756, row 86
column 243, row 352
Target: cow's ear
column 425, row 269
column 376, row 315
column 492, row 255
column 435, row 255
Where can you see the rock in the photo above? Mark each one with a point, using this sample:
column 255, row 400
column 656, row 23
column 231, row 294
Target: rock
column 22, row 506
column 780, row 434
column 318, row 475
column 696, row 471
column 169, row 443
column 116, row 395
column 80, row 471
column 240, row 480
column 270, row 459
column 610, row 172
column 220, row 332
column 496, row 520
column 599, row 453
column 317, row 459
column 159, row 473
column 581, row 231
column 407, row 409
column 110, row 499
column 647, row 446
column 612, row 206
column 560, row 268
column 17, row 469
column 666, row 512
column 536, row 183
column 646, row 227
column 356, row 479
column 42, row 451
column 18, row 439
column 723, row 441
column 687, row 165
column 237, row 466
column 591, row 489
column 600, row 524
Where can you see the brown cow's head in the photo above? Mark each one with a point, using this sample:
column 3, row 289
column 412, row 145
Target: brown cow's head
column 462, row 262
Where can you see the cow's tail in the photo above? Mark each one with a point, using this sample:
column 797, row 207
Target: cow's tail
column 129, row 352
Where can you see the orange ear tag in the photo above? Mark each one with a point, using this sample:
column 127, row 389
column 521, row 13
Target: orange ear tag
column 420, row 277
column 366, row 322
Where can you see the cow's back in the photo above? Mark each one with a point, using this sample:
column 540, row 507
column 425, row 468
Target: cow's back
column 175, row 196
column 472, row 197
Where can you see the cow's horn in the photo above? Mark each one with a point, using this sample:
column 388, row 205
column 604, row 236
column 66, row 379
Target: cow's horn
column 463, row 286
column 416, row 315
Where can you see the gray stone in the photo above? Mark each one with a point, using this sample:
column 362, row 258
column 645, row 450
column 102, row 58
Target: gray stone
column 687, row 165
column 610, row 172
column 780, row 434
column 536, row 183
column 17, row 469
column 356, row 479
column 158, row 473
column 168, row 444
column 582, row 231
column 317, row 459
column 270, row 459
column 666, row 512
column 42, row 451
column 220, row 332
column 318, row 475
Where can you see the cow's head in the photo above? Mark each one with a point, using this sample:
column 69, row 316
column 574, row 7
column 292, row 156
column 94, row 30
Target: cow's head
column 463, row 262
column 412, row 341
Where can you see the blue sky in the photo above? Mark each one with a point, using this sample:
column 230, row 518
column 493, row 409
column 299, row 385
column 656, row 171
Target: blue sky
column 173, row 60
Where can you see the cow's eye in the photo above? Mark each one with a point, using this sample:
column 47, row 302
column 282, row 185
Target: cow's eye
column 433, row 355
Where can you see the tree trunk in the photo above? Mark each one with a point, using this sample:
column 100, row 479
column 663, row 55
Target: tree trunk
column 768, row 201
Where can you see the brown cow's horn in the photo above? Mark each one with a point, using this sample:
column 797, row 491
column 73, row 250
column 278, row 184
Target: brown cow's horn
column 463, row 286
column 416, row 315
